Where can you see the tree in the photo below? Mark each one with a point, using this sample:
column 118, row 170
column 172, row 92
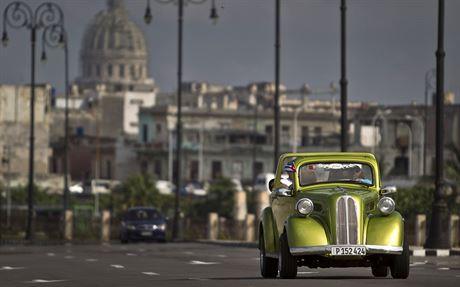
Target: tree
column 138, row 190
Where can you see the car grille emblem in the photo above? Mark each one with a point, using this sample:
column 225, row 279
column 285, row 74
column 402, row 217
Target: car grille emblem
column 347, row 221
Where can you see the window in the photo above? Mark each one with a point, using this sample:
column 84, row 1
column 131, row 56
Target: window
column 108, row 166
column 141, row 71
column 158, row 128
column 98, row 70
column 216, row 170
column 145, row 133
column 305, row 137
column 122, row 71
column 318, row 136
column 269, row 134
column 132, row 71
column 110, row 70
column 157, row 168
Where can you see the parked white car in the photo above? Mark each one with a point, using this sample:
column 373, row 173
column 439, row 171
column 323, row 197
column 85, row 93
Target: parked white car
column 262, row 181
column 164, row 187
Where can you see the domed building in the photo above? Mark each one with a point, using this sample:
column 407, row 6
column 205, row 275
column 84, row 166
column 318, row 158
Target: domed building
column 114, row 53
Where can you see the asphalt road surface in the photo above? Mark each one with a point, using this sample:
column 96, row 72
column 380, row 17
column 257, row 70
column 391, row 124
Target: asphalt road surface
column 188, row 264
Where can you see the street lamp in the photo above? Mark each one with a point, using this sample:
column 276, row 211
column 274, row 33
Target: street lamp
column 276, row 106
column 343, row 78
column 439, row 227
column 148, row 19
column 56, row 36
column 19, row 15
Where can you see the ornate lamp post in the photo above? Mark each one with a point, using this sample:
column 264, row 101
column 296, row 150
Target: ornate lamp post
column 180, row 18
column 343, row 79
column 19, row 15
column 56, row 36
column 438, row 236
column 277, row 84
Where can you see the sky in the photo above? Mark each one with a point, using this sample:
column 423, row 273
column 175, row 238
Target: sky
column 391, row 45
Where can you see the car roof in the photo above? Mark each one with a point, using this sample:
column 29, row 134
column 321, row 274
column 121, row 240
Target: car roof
column 339, row 155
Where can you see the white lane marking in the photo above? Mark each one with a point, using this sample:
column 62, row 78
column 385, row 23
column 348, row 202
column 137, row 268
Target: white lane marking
column 255, row 258
column 189, row 252
column 150, row 273
column 224, row 256
column 117, row 266
column 307, row 272
column 91, row 260
column 44, row 281
column 443, row 268
column 196, row 262
column 141, row 250
column 69, row 257
column 10, row 268
column 417, row 263
column 50, row 254
column 457, row 276
column 131, row 254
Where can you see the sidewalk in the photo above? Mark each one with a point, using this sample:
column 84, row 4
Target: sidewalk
column 416, row 251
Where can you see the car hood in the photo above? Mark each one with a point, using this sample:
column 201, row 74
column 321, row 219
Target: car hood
column 143, row 222
column 326, row 208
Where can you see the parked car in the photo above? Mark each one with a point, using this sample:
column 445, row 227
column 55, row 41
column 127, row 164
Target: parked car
column 262, row 181
column 165, row 187
column 329, row 210
column 143, row 224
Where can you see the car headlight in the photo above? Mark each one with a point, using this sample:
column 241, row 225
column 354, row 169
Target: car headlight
column 131, row 226
column 386, row 205
column 162, row 226
column 304, row 206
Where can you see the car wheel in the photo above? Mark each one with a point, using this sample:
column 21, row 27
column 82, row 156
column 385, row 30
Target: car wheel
column 268, row 265
column 400, row 263
column 287, row 264
column 379, row 270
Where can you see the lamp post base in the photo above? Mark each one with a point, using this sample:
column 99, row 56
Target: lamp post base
column 438, row 237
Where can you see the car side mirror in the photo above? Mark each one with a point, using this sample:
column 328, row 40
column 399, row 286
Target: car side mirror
column 388, row 190
column 270, row 184
column 284, row 192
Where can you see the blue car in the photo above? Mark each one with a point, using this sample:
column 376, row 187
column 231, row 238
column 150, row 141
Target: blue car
column 143, row 224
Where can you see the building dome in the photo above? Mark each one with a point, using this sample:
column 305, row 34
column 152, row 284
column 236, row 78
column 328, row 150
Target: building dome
column 113, row 52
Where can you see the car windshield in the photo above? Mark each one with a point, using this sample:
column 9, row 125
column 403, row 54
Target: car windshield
column 350, row 172
column 143, row 214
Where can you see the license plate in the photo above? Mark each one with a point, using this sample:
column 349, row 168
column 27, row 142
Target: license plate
column 146, row 233
column 348, row 250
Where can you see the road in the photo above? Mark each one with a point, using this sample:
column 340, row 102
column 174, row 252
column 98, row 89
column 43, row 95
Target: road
column 187, row 264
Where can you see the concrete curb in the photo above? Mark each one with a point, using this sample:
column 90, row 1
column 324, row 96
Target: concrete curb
column 414, row 251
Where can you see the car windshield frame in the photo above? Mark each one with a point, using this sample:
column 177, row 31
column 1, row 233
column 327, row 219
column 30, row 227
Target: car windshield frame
column 350, row 181
column 132, row 215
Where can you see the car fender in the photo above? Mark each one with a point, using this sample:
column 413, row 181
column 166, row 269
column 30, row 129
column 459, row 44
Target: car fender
column 267, row 224
column 385, row 230
column 305, row 231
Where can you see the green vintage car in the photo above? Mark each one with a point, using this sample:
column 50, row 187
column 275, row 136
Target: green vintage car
column 329, row 210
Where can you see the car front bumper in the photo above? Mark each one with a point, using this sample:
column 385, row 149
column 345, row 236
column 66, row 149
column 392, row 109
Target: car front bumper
column 327, row 249
column 141, row 235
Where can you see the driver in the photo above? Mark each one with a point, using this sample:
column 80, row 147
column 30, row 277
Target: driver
column 358, row 175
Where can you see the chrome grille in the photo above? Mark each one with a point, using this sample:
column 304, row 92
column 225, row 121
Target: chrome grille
column 346, row 221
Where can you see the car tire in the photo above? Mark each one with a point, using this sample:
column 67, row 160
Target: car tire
column 287, row 264
column 400, row 263
column 268, row 265
column 379, row 270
